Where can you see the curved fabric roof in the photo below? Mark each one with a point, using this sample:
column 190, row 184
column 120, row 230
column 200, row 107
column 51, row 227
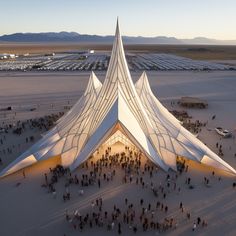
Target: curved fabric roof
column 118, row 105
column 67, row 137
column 171, row 138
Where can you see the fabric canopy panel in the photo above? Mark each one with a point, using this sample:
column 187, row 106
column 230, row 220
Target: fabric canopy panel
column 118, row 110
column 118, row 136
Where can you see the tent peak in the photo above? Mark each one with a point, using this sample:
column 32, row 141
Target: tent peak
column 93, row 83
column 141, row 82
column 117, row 28
column 144, row 74
column 118, row 65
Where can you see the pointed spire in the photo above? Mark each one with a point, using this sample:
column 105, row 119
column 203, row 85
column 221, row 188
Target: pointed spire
column 141, row 83
column 96, row 82
column 117, row 28
column 93, row 83
column 117, row 60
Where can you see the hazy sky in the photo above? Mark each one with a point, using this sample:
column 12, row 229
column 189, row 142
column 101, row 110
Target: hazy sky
column 178, row 18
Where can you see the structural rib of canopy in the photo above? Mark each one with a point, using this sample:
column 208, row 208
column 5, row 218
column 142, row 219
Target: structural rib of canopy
column 118, row 110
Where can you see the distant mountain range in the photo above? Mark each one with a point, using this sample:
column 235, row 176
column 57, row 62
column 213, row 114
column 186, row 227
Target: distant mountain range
column 85, row 38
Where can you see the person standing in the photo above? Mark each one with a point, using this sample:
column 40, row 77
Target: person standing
column 54, row 194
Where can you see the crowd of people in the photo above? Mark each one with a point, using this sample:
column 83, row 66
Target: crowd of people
column 194, row 127
column 127, row 167
column 19, row 128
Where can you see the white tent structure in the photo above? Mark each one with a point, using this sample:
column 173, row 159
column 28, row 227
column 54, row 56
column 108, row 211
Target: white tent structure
column 118, row 110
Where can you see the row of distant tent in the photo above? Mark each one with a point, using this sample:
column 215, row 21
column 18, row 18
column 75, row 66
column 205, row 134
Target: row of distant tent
column 7, row 56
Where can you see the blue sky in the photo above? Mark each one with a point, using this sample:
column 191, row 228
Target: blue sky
column 177, row 18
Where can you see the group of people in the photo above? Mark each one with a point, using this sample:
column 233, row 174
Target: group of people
column 193, row 126
column 20, row 127
column 119, row 218
column 129, row 168
column 136, row 216
column 42, row 123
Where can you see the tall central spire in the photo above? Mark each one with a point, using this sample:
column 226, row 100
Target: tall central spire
column 118, row 67
column 118, row 103
column 118, row 81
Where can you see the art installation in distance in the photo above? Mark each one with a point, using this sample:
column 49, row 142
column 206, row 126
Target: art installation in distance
column 118, row 110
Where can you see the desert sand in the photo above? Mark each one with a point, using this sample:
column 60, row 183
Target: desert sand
column 28, row 209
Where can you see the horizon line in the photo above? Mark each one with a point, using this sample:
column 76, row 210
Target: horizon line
column 111, row 35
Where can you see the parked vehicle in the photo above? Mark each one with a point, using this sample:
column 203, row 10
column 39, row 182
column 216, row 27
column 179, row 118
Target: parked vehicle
column 223, row 132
